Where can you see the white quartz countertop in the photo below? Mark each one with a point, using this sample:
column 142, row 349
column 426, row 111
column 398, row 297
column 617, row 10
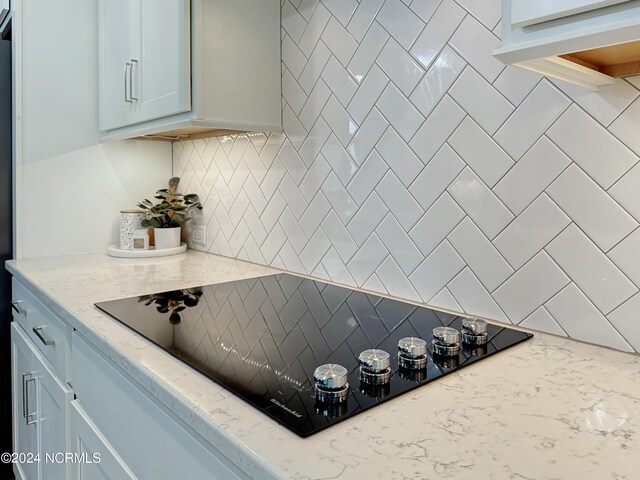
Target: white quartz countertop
column 549, row 408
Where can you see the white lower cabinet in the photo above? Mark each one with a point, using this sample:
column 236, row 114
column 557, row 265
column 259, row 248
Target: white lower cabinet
column 77, row 416
column 148, row 439
column 40, row 413
column 100, row 460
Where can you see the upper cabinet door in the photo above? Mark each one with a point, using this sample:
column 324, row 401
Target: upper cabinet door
column 118, row 44
column 164, row 76
column 528, row 12
column 144, row 52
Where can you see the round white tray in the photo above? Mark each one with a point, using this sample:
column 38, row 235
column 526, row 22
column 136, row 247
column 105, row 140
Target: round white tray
column 114, row 251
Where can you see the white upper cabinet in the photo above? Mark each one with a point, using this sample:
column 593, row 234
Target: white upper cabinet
column 586, row 42
column 178, row 67
column 144, row 60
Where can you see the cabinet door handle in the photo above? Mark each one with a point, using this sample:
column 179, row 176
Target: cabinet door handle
column 134, row 63
column 46, row 341
column 25, row 398
column 127, row 67
column 15, row 304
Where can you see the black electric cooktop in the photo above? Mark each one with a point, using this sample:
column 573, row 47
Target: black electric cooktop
column 262, row 338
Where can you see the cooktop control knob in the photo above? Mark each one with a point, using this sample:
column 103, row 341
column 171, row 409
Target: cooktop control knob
column 331, row 383
column 412, row 353
column 446, row 341
column 474, row 331
column 374, row 367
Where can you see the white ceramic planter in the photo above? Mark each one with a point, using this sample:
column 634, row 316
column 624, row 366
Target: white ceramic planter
column 167, row 237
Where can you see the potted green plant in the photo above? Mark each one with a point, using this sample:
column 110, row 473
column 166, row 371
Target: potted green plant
column 167, row 216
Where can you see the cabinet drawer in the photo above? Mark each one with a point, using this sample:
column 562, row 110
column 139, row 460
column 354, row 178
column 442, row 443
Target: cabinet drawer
column 44, row 328
column 145, row 436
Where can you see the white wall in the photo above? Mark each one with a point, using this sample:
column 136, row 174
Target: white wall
column 69, row 187
column 416, row 164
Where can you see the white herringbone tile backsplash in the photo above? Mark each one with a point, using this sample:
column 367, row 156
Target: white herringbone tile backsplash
column 415, row 164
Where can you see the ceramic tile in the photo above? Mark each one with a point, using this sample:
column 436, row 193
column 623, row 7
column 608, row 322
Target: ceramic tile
column 626, row 255
column 400, row 246
column 400, row 22
column 315, row 103
column 598, row 153
column 625, row 127
column 367, row 259
column 479, row 254
column 625, row 191
column 487, row 12
column 436, row 34
column 625, row 320
column 367, row 52
column 542, row 320
column 400, row 66
column 313, row 179
column 399, row 111
column 437, row 81
column 595, row 212
column 315, row 65
column 604, row 105
column 339, row 198
column 341, row 9
column 436, row 271
column 339, row 237
column 438, row 126
column 529, row 287
column 339, row 160
column 343, row 126
column 367, row 95
column 473, row 297
column 436, row 176
column 532, row 174
column 582, row 320
column 293, row 92
column 397, row 154
column 367, row 218
column 399, row 201
column 483, row 102
column 367, row 136
column 516, row 83
column 534, row 116
column 436, row 224
column 599, row 278
column 475, row 44
column 484, row 208
column 339, row 81
column 480, row 152
column 339, row 41
column 529, row 232
column 363, row 17
column 367, row 177
column 395, row 280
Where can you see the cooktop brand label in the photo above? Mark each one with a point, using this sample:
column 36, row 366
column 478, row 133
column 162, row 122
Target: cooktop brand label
column 286, row 409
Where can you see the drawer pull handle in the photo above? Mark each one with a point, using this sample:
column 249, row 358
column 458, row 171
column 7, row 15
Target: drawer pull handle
column 38, row 332
column 25, row 398
column 15, row 304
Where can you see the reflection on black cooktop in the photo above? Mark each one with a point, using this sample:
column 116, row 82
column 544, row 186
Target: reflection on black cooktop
column 262, row 338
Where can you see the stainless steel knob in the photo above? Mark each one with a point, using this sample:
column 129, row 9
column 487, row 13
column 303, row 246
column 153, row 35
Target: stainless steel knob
column 412, row 347
column 374, row 360
column 446, row 335
column 330, row 376
column 474, row 326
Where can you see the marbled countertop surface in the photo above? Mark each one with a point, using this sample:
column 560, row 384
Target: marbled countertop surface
column 550, row 408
